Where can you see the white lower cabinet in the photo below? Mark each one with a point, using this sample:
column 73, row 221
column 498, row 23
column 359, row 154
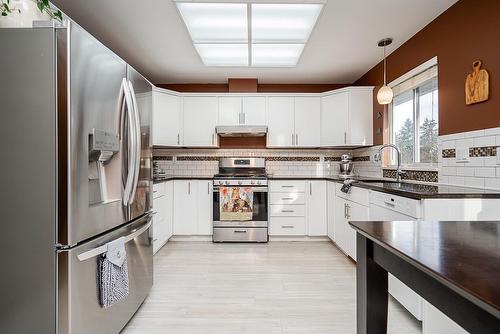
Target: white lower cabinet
column 163, row 215
column 349, row 207
column 205, row 205
column 331, row 210
column 192, row 207
column 316, row 208
column 298, row 207
column 435, row 322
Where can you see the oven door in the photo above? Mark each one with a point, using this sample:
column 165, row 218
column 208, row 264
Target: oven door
column 259, row 216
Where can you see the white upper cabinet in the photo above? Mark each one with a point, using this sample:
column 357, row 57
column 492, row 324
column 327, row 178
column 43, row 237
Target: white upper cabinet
column 230, row 111
column 334, row 119
column 307, row 121
column 280, row 121
column 347, row 117
column 254, row 110
column 200, row 118
column 242, row 110
column 293, row 121
column 166, row 119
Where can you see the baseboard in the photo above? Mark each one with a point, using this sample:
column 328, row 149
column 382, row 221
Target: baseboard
column 289, row 238
column 272, row 238
column 191, row 238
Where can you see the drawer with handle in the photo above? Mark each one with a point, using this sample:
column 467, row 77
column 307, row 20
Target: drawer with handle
column 287, row 198
column 287, row 226
column 286, row 210
column 287, row 186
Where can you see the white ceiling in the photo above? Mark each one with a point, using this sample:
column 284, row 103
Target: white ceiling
column 150, row 35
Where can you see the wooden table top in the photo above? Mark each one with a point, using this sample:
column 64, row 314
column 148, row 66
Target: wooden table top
column 463, row 255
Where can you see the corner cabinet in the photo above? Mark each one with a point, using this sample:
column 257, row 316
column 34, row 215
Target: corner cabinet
column 167, row 112
column 347, row 117
column 293, row 121
column 200, row 118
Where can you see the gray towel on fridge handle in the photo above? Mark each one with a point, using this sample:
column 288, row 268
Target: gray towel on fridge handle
column 112, row 272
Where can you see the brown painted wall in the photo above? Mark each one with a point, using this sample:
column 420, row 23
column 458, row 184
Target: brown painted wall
column 242, row 85
column 467, row 31
column 261, row 88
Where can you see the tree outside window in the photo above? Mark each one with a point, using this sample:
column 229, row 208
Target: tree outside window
column 414, row 116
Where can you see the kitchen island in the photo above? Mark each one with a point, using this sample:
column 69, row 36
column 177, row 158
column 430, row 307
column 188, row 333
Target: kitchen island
column 455, row 266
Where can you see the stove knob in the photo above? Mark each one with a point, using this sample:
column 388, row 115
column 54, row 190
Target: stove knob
column 258, row 182
column 252, row 182
column 239, row 182
column 227, row 183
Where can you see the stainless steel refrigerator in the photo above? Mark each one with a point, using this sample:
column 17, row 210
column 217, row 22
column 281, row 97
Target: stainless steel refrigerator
column 75, row 124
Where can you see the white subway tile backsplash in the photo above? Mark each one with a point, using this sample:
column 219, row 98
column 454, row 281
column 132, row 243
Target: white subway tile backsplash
column 465, row 171
column 484, row 141
column 449, row 170
column 474, row 182
column 492, row 131
column 474, row 134
column 464, row 143
column 485, row 172
column 456, row 180
column 448, row 144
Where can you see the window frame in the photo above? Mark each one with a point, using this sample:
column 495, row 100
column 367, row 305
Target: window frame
column 416, row 121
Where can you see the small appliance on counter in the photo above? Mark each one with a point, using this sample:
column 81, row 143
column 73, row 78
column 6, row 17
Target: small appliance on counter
column 240, row 201
column 346, row 166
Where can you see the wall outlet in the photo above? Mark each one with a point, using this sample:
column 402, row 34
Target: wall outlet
column 462, row 154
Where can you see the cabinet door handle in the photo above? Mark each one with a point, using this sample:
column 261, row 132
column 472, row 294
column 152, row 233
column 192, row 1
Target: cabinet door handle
column 345, row 137
column 348, row 213
column 239, row 118
column 345, row 210
column 293, row 139
column 310, row 189
column 287, row 211
column 287, row 199
column 240, row 231
column 244, row 117
column 286, row 186
column 189, row 188
column 296, row 139
column 208, row 188
column 287, row 226
column 178, row 139
column 391, row 205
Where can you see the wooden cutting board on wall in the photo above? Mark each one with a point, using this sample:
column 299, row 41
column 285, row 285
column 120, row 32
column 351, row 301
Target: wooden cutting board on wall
column 477, row 84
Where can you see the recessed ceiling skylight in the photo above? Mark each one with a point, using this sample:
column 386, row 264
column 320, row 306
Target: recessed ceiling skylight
column 249, row 34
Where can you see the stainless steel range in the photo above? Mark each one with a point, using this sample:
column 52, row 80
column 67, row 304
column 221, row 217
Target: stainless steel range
column 240, row 196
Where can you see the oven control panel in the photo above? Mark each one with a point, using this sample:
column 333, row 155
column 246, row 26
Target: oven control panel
column 242, row 183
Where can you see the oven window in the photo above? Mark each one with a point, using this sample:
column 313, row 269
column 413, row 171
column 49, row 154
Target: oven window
column 259, row 206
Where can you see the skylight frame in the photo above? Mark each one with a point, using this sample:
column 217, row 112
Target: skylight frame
column 249, row 21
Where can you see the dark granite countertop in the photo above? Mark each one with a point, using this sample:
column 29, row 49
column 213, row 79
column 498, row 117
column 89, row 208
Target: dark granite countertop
column 165, row 178
column 465, row 256
column 405, row 189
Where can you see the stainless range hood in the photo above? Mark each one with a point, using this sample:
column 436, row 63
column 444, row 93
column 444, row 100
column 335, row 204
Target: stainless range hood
column 241, row 130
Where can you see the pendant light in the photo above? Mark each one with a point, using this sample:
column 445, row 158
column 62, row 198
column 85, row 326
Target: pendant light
column 385, row 94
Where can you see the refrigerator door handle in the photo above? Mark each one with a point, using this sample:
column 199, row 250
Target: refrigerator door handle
column 103, row 249
column 126, row 108
column 137, row 140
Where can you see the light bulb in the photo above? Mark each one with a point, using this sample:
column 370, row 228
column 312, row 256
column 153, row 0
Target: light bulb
column 385, row 95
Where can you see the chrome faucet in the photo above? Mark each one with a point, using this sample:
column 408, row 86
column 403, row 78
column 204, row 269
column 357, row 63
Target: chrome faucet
column 399, row 171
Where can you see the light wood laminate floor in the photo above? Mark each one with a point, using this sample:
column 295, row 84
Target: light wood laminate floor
column 279, row 287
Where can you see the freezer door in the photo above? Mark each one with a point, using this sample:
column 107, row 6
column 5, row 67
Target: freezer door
column 142, row 97
column 102, row 140
column 79, row 311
